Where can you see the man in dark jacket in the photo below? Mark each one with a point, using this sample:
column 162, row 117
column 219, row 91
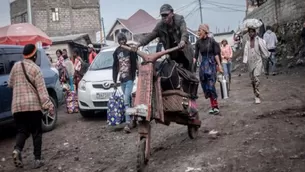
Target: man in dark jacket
column 172, row 31
column 125, row 63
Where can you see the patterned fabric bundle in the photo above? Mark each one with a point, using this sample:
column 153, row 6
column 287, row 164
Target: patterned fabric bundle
column 72, row 102
column 116, row 109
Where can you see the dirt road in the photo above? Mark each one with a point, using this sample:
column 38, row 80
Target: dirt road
column 269, row 137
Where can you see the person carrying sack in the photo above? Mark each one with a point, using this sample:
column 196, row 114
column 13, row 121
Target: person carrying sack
column 27, row 81
column 116, row 109
column 125, row 63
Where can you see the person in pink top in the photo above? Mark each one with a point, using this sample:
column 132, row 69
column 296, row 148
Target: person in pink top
column 92, row 53
column 226, row 58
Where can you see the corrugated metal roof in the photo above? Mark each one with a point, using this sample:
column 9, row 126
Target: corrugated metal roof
column 68, row 37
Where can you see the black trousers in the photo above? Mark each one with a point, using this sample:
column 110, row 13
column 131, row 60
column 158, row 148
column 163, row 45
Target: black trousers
column 29, row 123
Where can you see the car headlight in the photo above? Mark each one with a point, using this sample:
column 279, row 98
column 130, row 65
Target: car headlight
column 82, row 85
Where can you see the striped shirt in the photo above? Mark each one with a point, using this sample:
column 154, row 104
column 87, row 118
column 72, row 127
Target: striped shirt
column 25, row 97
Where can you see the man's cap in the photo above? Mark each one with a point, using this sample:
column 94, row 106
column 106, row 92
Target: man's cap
column 90, row 46
column 166, row 9
column 29, row 51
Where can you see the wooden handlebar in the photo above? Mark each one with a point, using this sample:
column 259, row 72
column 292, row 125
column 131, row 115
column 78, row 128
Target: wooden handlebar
column 152, row 57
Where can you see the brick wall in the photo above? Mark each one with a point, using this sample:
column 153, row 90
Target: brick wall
column 18, row 11
column 86, row 20
column 75, row 16
column 279, row 11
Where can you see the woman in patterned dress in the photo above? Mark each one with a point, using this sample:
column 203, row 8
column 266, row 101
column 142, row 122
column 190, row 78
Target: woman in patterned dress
column 77, row 67
column 60, row 66
column 209, row 50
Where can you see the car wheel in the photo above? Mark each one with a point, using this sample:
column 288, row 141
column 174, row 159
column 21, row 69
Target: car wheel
column 49, row 122
column 86, row 113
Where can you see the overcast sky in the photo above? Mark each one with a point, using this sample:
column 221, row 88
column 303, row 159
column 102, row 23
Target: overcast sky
column 223, row 14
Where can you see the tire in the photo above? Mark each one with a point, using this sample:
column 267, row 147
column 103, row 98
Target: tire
column 192, row 130
column 48, row 124
column 141, row 159
column 86, row 113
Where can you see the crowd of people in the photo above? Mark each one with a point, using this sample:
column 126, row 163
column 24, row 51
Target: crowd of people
column 70, row 68
column 171, row 31
column 215, row 57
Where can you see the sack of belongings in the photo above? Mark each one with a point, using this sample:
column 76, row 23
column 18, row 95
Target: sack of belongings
column 252, row 23
column 71, row 102
column 116, row 109
column 189, row 82
column 174, row 77
column 167, row 70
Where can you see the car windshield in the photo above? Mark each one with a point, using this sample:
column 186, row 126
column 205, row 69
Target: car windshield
column 152, row 49
column 104, row 60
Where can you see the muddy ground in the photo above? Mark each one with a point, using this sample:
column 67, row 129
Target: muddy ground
column 269, row 137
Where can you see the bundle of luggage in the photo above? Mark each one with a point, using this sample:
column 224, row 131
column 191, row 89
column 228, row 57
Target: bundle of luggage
column 174, row 77
column 116, row 109
column 72, row 102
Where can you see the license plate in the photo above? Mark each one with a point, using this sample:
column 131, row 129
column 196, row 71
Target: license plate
column 103, row 95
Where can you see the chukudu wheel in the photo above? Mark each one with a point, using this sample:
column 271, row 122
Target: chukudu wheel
column 141, row 159
column 192, row 130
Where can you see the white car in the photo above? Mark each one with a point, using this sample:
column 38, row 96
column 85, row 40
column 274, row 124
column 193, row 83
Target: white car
column 96, row 86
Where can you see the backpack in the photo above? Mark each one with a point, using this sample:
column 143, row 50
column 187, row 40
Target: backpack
column 116, row 109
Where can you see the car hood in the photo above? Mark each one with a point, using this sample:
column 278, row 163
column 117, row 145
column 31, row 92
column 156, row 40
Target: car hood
column 98, row 75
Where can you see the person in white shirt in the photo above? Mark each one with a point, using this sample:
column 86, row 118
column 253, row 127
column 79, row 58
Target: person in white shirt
column 271, row 41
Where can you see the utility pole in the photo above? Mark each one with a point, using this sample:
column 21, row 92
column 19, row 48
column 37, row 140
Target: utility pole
column 29, row 11
column 200, row 9
column 104, row 34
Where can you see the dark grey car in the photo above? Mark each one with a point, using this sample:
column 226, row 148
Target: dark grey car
column 9, row 55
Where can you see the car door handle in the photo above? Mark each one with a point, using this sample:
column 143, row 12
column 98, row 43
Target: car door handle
column 5, row 84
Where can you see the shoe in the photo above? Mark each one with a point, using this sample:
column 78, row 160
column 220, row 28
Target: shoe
column 257, row 100
column 216, row 111
column 127, row 129
column 17, row 158
column 211, row 111
column 38, row 163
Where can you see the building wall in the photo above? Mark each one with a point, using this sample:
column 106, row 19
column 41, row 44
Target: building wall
column 117, row 29
column 18, row 11
column 192, row 38
column 75, row 16
column 279, row 11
